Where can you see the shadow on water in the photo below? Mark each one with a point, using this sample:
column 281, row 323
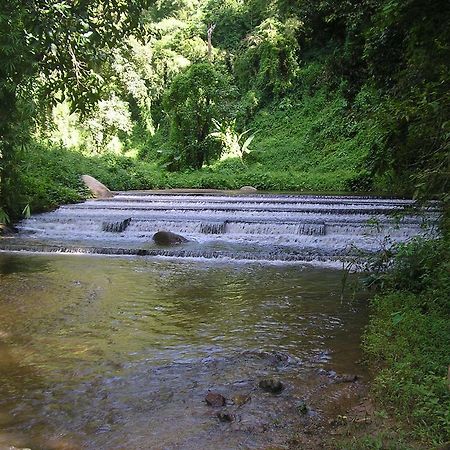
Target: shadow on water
column 111, row 353
column 9, row 264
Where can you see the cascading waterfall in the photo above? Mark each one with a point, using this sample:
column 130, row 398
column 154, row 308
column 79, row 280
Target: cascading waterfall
column 246, row 227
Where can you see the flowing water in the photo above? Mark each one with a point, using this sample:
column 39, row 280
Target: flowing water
column 119, row 352
column 239, row 227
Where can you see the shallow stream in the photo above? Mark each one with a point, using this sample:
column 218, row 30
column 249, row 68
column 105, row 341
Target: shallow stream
column 119, row 353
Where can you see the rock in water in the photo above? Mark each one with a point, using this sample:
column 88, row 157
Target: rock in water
column 7, row 230
column 240, row 399
column 215, row 399
column 302, row 408
column 168, row 238
column 346, row 378
column 97, row 189
column 272, row 386
column 225, row 416
column 116, row 227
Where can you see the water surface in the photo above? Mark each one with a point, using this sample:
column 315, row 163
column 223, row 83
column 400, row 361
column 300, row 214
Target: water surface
column 116, row 353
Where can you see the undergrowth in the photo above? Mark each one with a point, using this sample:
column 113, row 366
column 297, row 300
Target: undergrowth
column 408, row 341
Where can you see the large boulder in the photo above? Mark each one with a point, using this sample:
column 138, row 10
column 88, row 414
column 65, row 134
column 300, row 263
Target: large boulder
column 98, row 190
column 168, row 238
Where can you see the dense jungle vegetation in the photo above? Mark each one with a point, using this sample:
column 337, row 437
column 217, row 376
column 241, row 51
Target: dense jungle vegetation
column 310, row 95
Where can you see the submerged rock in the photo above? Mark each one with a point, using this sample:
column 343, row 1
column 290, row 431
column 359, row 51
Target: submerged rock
column 168, row 238
column 302, row 407
column 240, row 399
column 98, row 190
column 215, row 399
column 116, row 227
column 346, row 378
column 271, row 385
column 225, row 416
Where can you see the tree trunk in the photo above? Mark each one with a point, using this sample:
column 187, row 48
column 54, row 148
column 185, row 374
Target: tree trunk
column 210, row 32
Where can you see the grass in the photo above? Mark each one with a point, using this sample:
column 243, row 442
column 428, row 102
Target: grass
column 408, row 341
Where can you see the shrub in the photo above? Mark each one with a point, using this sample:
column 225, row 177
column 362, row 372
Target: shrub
column 408, row 340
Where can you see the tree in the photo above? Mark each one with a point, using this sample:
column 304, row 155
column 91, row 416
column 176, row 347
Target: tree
column 195, row 97
column 63, row 41
column 268, row 62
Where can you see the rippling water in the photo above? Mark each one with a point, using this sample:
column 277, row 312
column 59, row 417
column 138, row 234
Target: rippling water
column 116, row 353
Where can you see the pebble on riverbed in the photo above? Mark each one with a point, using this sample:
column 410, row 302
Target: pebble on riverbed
column 240, row 399
column 271, row 385
column 346, row 378
column 225, row 416
column 215, row 399
column 302, row 408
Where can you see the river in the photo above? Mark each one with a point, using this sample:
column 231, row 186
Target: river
column 119, row 353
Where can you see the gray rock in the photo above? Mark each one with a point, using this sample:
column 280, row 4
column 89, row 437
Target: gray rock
column 98, row 190
column 248, row 189
column 168, row 238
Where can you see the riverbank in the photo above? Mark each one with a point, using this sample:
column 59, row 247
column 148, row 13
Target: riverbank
column 406, row 344
column 50, row 176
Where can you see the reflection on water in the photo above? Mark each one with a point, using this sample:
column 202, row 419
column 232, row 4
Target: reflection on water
column 105, row 353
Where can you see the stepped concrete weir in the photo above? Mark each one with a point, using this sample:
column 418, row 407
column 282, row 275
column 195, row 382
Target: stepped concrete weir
column 254, row 226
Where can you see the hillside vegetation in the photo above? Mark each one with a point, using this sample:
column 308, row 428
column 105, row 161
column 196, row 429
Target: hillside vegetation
column 336, row 96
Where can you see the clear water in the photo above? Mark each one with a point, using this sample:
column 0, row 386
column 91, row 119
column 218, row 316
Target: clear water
column 115, row 353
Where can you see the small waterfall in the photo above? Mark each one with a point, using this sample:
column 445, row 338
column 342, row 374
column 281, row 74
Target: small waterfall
column 213, row 228
column 248, row 227
column 116, row 227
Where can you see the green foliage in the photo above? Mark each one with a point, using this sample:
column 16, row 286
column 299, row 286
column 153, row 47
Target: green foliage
column 409, row 337
column 231, row 19
column 268, row 60
column 316, row 135
column 4, row 217
column 52, row 49
column 345, row 95
column 404, row 50
column 233, row 143
column 195, row 97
